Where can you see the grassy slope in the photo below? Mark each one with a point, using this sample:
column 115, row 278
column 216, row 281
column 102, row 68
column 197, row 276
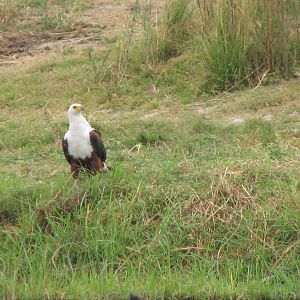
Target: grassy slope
column 197, row 204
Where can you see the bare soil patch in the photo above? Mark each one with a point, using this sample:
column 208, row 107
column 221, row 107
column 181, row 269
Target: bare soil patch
column 98, row 20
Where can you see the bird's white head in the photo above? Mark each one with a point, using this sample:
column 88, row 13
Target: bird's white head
column 75, row 109
column 76, row 120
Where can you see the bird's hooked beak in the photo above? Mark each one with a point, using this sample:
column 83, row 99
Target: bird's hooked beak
column 79, row 108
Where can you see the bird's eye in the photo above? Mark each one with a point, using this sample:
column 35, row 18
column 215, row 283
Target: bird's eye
column 74, row 106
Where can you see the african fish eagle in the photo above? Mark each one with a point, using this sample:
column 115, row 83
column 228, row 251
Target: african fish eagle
column 82, row 144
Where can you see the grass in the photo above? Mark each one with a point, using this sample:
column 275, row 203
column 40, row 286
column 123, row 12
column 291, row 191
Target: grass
column 202, row 202
column 250, row 42
column 206, row 206
column 38, row 16
column 194, row 51
column 234, row 43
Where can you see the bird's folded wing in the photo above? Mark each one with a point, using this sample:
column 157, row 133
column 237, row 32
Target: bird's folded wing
column 65, row 149
column 97, row 144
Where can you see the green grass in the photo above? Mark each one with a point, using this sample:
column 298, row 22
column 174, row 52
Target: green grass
column 203, row 198
column 235, row 43
column 249, row 42
column 195, row 205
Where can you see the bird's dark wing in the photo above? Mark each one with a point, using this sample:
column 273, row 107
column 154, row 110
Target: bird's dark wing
column 97, row 144
column 65, row 149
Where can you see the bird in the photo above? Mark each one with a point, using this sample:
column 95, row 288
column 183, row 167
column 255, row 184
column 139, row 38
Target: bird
column 82, row 145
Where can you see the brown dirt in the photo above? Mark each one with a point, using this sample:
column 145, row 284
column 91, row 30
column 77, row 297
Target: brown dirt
column 99, row 20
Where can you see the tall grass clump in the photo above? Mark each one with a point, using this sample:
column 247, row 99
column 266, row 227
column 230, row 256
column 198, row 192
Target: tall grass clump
column 235, row 43
column 166, row 38
column 163, row 37
column 246, row 42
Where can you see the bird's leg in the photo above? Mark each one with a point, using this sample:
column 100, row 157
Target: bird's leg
column 96, row 164
column 74, row 170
